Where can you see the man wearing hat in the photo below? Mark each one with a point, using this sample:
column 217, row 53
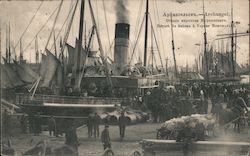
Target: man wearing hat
column 122, row 125
column 105, row 138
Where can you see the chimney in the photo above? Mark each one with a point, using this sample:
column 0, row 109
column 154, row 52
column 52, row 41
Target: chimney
column 121, row 47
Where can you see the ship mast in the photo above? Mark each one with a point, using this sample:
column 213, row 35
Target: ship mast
column 7, row 53
column 235, row 49
column 146, row 35
column 54, row 37
column 232, row 41
column 36, row 50
column 100, row 47
column 21, row 51
column 173, row 48
column 0, row 50
column 152, row 51
column 9, row 45
column 205, row 43
column 79, row 48
column 167, row 67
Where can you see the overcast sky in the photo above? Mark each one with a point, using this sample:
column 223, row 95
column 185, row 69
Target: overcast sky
column 19, row 14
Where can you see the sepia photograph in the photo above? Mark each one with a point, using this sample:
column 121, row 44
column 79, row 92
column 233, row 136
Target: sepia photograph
column 125, row 77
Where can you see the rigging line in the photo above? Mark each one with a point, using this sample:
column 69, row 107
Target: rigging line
column 100, row 46
column 155, row 18
column 137, row 22
column 41, row 29
column 28, row 24
column 155, row 63
column 109, row 50
column 53, row 27
column 69, row 26
column 67, row 18
column 97, row 12
column 136, row 41
column 138, row 19
column 158, row 17
column 105, row 17
column 156, row 41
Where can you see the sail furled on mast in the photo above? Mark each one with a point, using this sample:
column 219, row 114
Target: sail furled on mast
column 72, row 56
column 43, row 65
column 13, row 78
column 70, row 61
column 48, row 68
column 25, row 73
column 5, row 81
column 78, row 67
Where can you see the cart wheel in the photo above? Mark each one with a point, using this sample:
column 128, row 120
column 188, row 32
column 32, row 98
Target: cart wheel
column 108, row 152
column 136, row 153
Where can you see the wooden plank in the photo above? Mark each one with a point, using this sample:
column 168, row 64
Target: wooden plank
column 208, row 148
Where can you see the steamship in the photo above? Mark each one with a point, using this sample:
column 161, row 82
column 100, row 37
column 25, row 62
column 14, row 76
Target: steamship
column 78, row 83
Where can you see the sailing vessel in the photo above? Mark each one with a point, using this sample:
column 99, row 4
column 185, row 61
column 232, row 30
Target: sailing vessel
column 78, row 82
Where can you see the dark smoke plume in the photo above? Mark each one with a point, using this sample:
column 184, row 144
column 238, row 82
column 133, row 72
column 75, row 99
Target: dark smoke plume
column 181, row 1
column 122, row 13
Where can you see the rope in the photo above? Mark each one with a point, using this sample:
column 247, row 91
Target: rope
column 136, row 31
column 156, row 42
column 138, row 19
column 136, row 41
column 63, row 24
column 40, row 29
column 69, row 26
column 137, row 23
column 105, row 16
column 158, row 17
column 109, row 50
column 231, row 121
column 97, row 12
column 28, row 25
column 53, row 27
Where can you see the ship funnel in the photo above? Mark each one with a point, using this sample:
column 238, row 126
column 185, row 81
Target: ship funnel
column 121, row 47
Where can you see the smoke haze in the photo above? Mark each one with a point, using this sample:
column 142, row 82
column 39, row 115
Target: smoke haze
column 122, row 13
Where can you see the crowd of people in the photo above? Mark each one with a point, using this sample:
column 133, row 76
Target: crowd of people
column 164, row 103
column 186, row 99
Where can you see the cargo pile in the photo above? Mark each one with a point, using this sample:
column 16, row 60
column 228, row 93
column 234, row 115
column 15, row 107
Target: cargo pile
column 170, row 128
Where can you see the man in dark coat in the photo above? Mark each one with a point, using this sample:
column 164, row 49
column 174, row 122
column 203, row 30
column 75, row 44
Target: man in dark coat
column 105, row 138
column 52, row 126
column 23, row 122
column 122, row 125
column 6, row 122
column 90, row 125
column 37, row 125
column 71, row 138
column 96, row 123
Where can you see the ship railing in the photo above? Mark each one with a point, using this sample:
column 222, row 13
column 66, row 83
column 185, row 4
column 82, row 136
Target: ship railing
column 40, row 99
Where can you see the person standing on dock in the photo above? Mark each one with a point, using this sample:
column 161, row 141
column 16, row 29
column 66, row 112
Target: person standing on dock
column 122, row 125
column 23, row 122
column 105, row 138
column 52, row 126
column 37, row 125
column 96, row 123
column 90, row 125
column 72, row 139
column 6, row 122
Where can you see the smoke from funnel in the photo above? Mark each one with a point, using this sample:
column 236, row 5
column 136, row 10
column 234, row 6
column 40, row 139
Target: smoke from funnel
column 181, row 1
column 122, row 12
